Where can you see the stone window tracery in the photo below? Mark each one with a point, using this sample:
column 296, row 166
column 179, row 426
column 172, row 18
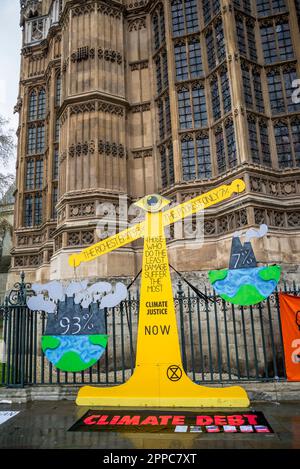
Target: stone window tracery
column 225, row 90
column 42, row 105
column 195, row 156
column 37, row 105
column 30, row 174
column 246, row 37
column 55, row 163
column 297, row 6
column 34, row 173
column 203, row 156
column 280, row 89
column 215, row 98
column 270, row 7
column 219, row 87
column 225, row 142
column 210, row 8
column 252, row 87
column 188, row 59
column 57, row 130
column 28, row 211
column 276, row 41
column 184, row 17
column 171, row 164
column 161, row 67
column 158, row 27
column 54, row 201
column 164, row 116
column 39, row 169
column 259, row 141
column 288, row 142
column 33, row 209
column 163, row 167
column 36, row 139
column 188, row 158
column 158, row 75
column 215, row 44
column 58, row 90
column 38, row 209
column 264, row 143
column 192, row 106
column 231, row 146
column 244, row 5
column 33, row 105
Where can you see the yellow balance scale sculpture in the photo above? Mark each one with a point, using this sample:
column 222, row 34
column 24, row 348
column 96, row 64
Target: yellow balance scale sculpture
column 159, row 379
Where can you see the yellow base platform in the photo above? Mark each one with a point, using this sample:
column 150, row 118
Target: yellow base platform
column 157, row 390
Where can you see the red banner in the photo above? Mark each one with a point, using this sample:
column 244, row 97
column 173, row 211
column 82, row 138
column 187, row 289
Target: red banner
column 290, row 321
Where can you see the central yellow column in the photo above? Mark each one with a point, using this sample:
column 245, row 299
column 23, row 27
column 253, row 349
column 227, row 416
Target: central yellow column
column 159, row 379
column 158, row 343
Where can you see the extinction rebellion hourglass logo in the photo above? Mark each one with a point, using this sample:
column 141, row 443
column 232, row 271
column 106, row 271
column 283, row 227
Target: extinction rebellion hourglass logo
column 174, row 373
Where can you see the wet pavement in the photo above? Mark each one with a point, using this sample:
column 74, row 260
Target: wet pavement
column 44, row 425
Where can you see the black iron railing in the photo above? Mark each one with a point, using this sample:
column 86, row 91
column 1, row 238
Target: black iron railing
column 219, row 341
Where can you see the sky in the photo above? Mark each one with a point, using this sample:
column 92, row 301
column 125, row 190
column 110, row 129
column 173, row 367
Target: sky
column 10, row 45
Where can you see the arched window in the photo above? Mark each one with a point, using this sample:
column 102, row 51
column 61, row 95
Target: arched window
column 171, row 164
column 30, row 174
column 276, row 41
column 56, row 164
column 167, row 164
column 54, row 201
column 264, row 143
column 32, row 105
column 34, row 173
column 195, row 154
column 39, row 170
column 231, row 146
column 283, row 144
column 215, row 44
column 188, row 158
column 158, row 26
column 33, row 212
column 42, row 104
column 270, row 7
column 155, row 31
column 220, row 149
column 215, row 98
column 225, row 89
column 163, row 167
column 184, row 108
column 225, row 146
column 210, row 8
column 184, row 17
column 28, row 211
column 38, row 209
column 203, row 156
column 288, row 142
column 58, row 90
column 177, row 18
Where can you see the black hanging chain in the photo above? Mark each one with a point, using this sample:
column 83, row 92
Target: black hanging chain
column 135, row 278
column 126, row 307
column 195, row 289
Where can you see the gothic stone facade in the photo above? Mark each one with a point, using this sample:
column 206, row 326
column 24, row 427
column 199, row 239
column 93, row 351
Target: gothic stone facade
column 132, row 97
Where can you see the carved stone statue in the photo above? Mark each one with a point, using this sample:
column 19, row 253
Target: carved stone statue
column 30, row 9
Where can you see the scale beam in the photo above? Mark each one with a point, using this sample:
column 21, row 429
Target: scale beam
column 170, row 216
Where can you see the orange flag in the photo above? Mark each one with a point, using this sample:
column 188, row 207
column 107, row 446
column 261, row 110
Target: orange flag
column 290, row 321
